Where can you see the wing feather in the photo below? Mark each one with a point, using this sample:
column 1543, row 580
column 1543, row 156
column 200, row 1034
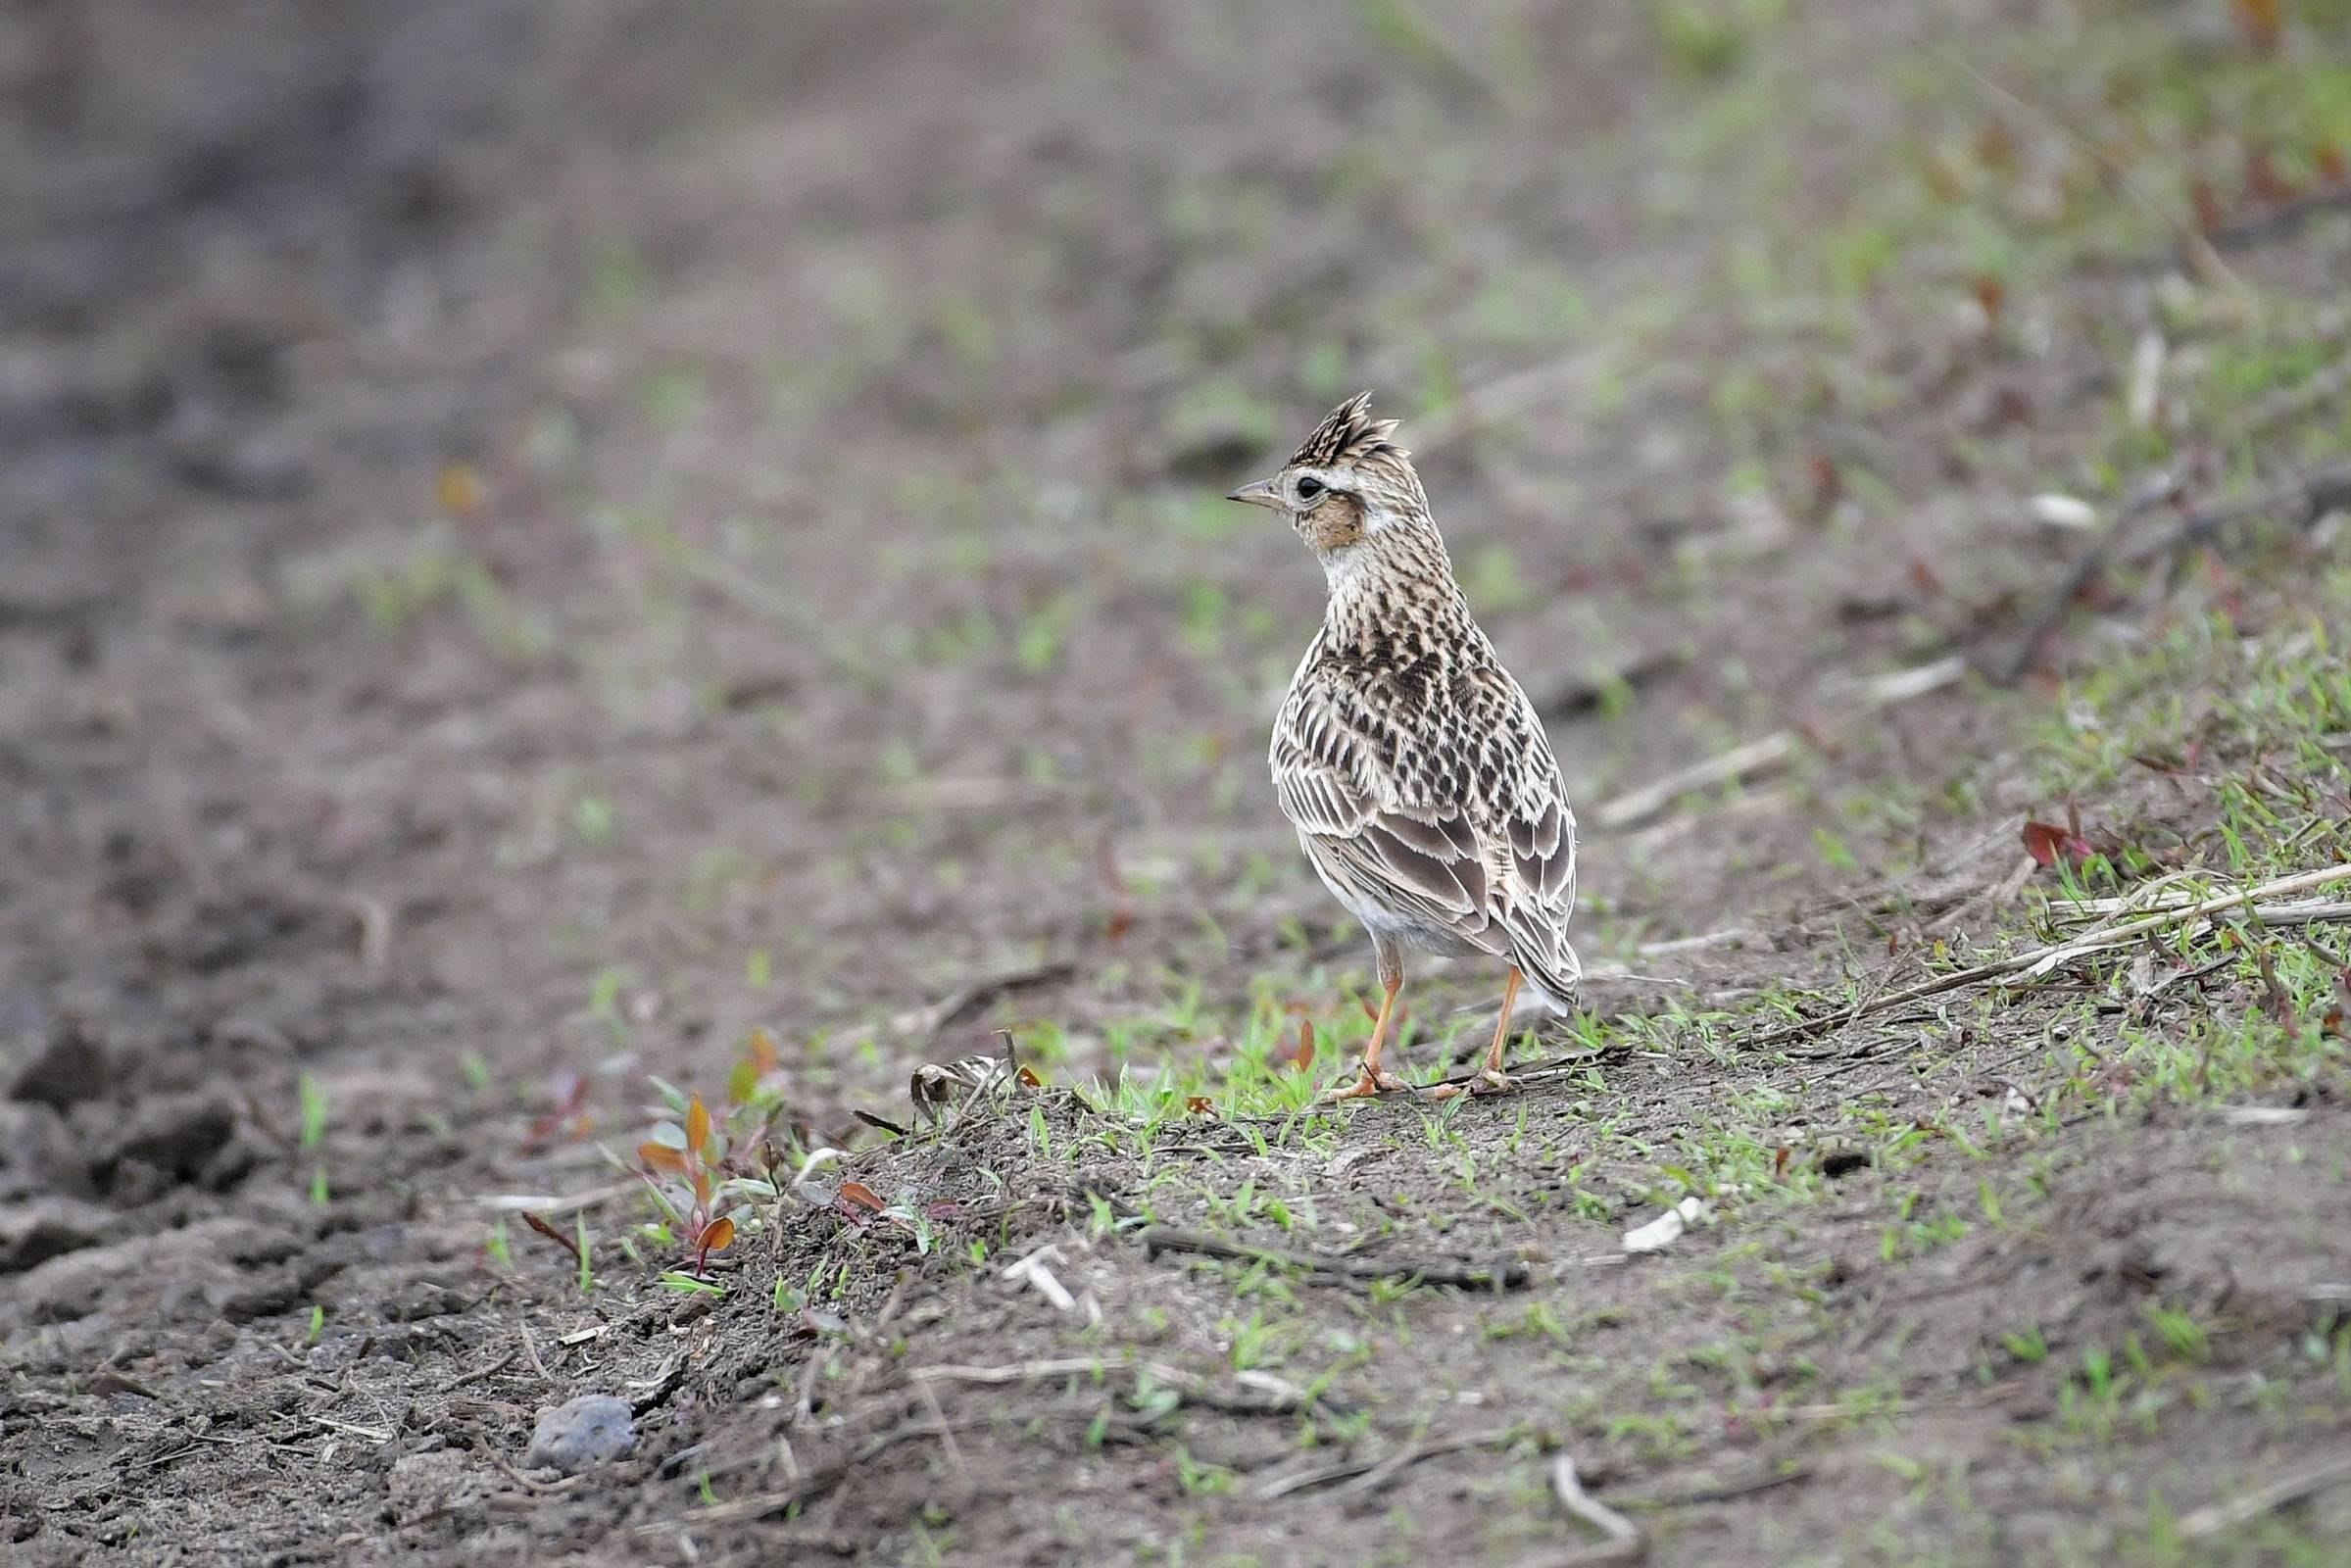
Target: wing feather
column 1479, row 844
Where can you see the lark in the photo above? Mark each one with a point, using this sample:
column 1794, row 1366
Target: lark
column 1411, row 763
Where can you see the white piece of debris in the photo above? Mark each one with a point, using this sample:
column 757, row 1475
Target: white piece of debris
column 2063, row 511
column 2262, row 1115
column 2145, row 398
column 1036, row 1272
column 1667, row 1228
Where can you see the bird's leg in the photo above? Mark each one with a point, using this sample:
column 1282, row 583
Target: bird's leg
column 1492, row 1077
column 1493, row 1074
column 1375, row 1080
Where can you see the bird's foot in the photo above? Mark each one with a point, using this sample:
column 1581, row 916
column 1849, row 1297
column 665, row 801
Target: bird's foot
column 1491, row 1081
column 1374, row 1081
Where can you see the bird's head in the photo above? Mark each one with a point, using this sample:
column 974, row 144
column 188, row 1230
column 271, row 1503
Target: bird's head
column 1348, row 486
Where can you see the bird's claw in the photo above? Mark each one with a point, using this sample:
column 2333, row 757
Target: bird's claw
column 1374, row 1081
column 1489, row 1081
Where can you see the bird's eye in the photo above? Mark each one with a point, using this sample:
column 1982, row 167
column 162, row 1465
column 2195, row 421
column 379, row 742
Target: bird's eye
column 1308, row 488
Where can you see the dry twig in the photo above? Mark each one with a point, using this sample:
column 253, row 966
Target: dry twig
column 1384, row 1467
column 2287, row 1490
column 1620, row 1539
column 1275, row 1396
column 478, row 1374
column 1469, row 1277
column 946, row 1434
column 2035, row 962
column 926, row 1023
column 2281, row 222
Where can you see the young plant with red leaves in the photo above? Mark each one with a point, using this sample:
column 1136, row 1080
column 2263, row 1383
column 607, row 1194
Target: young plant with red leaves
column 684, row 1168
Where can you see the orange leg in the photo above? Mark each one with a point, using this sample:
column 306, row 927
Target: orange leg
column 1501, row 1032
column 1492, row 1077
column 1374, row 1080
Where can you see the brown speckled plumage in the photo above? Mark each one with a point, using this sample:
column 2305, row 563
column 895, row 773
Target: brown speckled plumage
column 1412, row 766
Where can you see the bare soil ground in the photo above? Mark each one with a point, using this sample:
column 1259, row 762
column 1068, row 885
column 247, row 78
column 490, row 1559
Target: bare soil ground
column 548, row 553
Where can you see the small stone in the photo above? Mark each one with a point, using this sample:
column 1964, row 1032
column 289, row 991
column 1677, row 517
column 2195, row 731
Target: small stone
column 580, row 1433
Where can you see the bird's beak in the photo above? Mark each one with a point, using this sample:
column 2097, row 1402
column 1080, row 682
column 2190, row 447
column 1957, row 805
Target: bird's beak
column 1259, row 494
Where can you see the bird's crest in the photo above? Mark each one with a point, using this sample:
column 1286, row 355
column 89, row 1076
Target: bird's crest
column 1350, row 434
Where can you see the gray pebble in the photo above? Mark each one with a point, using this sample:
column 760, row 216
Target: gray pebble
column 579, row 1433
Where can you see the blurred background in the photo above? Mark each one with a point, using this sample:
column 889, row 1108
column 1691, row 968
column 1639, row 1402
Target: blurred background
column 616, row 526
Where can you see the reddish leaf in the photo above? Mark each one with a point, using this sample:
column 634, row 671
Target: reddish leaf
column 1200, row 1106
column 2333, row 168
column 2048, row 843
column 1990, row 294
column 1300, row 1055
column 2264, row 180
column 1828, row 485
column 1779, row 1162
column 697, row 1126
column 1028, row 1078
column 2262, row 22
column 862, row 1195
column 2011, row 405
column 716, row 1236
column 661, row 1157
column 2210, row 213
column 760, row 1051
column 552, row 1233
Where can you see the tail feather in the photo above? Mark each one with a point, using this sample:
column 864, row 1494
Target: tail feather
column 1557, row 976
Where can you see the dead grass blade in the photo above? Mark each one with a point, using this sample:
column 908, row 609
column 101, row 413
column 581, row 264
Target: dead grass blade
column 2035, row 962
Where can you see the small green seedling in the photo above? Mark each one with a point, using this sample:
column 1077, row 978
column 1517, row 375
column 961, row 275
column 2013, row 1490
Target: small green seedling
column 314, row 1111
